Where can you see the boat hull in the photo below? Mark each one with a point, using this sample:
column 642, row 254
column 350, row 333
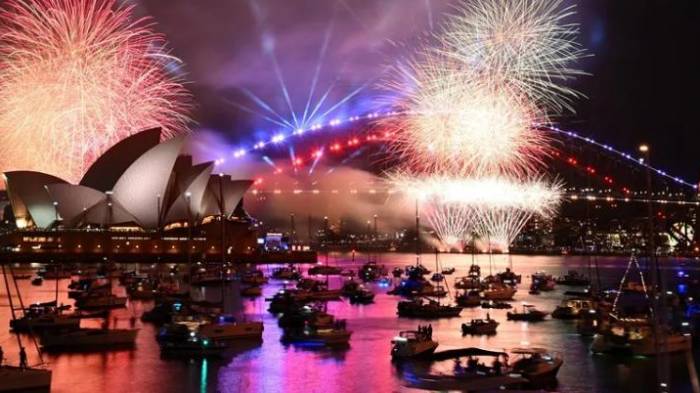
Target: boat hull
column 90, row 339
column 15, row 379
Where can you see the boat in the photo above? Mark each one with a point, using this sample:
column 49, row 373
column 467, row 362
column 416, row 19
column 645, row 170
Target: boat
column 222, row 327
column 312, row 315
column 252, row 291
column 573, row 308
column 347, row 273
column 362, row 296
column 253, row 277
column 509, row 277
column 178, row 341
column 284, row 300
column 468, row 299
column 529, row 314
column 337, row 336
column 24, row 379
column 412, row 344
column 324, row 270
column 496, row 305
column 543, row 282
column 371, row 271
column 89, row 338
column 498, row 292
column 107, row 301
column 635, row 336
column 430, row 309
column 448, row 271
column 469, row 282
column 349, row 287
column 397, row 272
column 22, row 276
column 573, row 279
column 480, row 326
column 479, row 374
column 537, row 366
column 38, row 323
column 286, row 273
column 37, row 281
column 21, row 378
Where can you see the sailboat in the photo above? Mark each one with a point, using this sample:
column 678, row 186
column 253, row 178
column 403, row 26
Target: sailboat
column 635, row 333
column 22, row 377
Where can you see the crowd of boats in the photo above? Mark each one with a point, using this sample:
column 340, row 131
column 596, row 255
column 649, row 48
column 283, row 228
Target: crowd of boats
column 621, row 320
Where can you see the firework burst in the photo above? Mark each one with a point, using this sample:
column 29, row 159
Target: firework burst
column 458, row 122
column 528, row 45
column 77, row 76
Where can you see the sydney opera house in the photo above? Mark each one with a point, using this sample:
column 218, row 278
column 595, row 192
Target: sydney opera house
column 142, row 200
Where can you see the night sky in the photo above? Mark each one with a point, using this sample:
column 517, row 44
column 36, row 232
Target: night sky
column 644, row 64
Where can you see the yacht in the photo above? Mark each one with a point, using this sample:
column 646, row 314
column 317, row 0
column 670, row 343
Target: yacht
column 529, row 314
column 430, row 309
column 308, row 335
column 88, row 338
column 498, row 292
column 635, row 336
column 178, row 341
column 574, row 279
column 480, row 327
column 412, row 344
column 223, row 328
column 537, row 366
column 469, row 299
column 573, row 308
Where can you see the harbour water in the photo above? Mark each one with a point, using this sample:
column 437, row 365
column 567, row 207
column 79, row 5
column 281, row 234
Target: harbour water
column 366, row 365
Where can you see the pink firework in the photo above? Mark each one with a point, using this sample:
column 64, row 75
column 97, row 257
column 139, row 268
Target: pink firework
column 77, row 76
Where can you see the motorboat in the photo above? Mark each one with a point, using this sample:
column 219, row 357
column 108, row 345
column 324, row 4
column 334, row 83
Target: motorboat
column 635, row 336
column 105, row 301
column 573, row 308
column 508, row 277
column 89, row 339
column 412, row 344
column 536, row 365
column 24, row 379
column 312, row 315
column 498, row 292
column 480, row 327
column 371, row 271
column 469, row 299
column 37, row 281
column 253, row 277
column 222, row 327
column 350, row 287
column 573, row 279
column 529, row 314
column 178, row 341
column 543, row 282
column 337, row 336
column 469, row 282
column 448, row 271
column 430, row 309
column 496, row 305
column 285, row 300
column 324, row 270
column 286, row 273
column 362, row 296
column 397, row 272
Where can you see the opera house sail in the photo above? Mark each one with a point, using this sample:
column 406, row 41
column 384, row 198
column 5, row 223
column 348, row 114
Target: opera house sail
column 141, row 198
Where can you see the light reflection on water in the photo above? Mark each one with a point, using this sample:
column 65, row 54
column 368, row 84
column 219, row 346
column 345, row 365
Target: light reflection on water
column 366, row 365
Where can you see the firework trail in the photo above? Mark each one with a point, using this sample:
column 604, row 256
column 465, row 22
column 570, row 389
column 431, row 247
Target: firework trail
column 77, row 76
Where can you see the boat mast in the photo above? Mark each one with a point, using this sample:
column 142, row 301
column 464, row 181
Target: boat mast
column 417, row 235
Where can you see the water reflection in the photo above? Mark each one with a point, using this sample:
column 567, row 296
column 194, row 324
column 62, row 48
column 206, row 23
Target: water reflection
column 366, row 365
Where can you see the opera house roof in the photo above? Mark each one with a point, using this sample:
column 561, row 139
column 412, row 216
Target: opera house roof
column 139, row 181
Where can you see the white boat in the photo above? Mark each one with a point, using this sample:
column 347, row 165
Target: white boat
column 224, row 328
column 410, row 344
column 17, row 379
column 90, row 339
